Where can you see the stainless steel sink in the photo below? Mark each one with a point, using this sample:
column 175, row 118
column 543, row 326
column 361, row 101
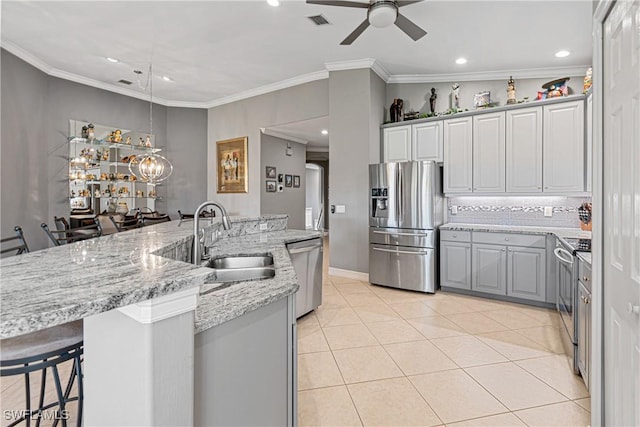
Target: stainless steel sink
column 238, row 262
column 242, row 274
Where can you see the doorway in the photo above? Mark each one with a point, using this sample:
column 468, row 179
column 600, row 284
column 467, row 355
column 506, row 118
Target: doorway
column 314, row 197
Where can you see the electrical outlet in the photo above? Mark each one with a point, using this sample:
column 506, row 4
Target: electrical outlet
column 454, row 210
column 263, row 226
column 341, row 209
column 548, row 211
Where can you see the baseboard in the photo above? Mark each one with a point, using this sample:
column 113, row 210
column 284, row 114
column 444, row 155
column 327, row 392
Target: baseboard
column 348, row 274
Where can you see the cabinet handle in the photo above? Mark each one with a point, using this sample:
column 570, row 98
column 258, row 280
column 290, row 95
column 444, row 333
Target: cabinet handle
column 503, row 250
column 585, row 279
column 506, row 239
column 455, row 236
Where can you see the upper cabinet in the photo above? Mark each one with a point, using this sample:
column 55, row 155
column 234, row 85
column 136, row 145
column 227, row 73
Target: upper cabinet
column 458, row 155
column 422, row 141
column 524, row 150
column 563, row 148
column 489, row 153
column 396, row 144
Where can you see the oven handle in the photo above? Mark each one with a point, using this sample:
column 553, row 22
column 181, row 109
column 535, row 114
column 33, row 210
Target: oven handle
column 558, row 251
column 400, row 252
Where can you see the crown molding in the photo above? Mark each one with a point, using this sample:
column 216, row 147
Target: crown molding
column 283, row 136
column 531, row 73
column 357, row 64
column 294, row 81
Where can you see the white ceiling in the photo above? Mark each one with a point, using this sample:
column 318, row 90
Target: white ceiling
column 217, row 49
column 308, row 132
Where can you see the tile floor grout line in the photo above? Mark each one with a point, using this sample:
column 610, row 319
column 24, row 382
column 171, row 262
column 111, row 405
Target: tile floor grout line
column 545, row 382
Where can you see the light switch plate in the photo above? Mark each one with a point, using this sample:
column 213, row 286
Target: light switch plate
column 548, row 211
column 340, row 209
column 263, row 226
column 454, row 210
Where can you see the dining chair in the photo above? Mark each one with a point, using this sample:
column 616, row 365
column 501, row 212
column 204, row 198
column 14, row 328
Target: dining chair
column 126, row 222
column 38, row 352
column 70, row 235
column 149, row 217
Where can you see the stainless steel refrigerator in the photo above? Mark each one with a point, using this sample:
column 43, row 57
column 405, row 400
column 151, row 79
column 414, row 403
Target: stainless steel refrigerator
column 405, row 210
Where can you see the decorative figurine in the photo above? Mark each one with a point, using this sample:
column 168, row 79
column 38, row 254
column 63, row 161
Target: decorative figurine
column 117, row 135
column 128, row 140
column 511, row 91
column 85, row 132
column 91, row 134
column 587, row 80
column 396, row 110
column 141, row 142
column 148, row 142
column 432, row 100
column 455, row 95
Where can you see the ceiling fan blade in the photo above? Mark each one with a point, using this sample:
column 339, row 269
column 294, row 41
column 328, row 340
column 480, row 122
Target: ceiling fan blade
column 356, row 33
column 410, row 29
column 407, row 2
column 339, row 3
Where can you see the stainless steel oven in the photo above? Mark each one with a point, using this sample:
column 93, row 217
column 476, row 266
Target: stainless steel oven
column 566, row 281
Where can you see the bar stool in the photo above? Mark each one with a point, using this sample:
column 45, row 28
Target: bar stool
column 205, row 214
column 126, row 222
column 64, row 234
column 149, row 217
column 40, row 351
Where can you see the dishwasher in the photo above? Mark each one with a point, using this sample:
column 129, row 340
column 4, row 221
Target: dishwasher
column 306, row 257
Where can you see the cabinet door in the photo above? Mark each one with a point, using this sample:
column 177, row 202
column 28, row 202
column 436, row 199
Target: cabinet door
column 427, row 141
column 563, row 147
column 526, row 269
column 589, row 148
column 489, row 268
column 455, row 265
column 488, row 153
column 584, row 331
column 524, row 150
column 458, row 145
column 396, row 144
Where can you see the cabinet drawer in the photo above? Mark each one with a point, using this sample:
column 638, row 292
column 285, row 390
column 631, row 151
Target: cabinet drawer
column 584, row 274
column 509, row 239
column 455, row 236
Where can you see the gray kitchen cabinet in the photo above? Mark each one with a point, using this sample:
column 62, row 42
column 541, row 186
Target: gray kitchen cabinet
column 489, row 268
column 458, row 155
column 584, row 321
column 563, row 148
column 245, row 369
column 426, row 141
column 396, row 144
column 455, row 264
column 524, row 150
column 526, row 273
column 489, row 153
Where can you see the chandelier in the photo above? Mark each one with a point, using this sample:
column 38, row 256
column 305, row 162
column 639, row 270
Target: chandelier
column 150, row 167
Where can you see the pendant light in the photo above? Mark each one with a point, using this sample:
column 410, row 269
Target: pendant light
column 150, row 167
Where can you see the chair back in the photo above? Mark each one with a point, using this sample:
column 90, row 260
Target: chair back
column 15, row 243
column 149, row 217
column 70, row 235
column 61, row 223
column 204, row 214
column 126, row 222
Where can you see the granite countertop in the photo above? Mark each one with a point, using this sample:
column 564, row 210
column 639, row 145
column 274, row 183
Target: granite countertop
column 66, row 283
column 558, row 231
column 585, row 256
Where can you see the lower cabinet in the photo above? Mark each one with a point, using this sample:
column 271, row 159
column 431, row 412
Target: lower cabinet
column 455, row 265
column 498, row 269
column 489, row 267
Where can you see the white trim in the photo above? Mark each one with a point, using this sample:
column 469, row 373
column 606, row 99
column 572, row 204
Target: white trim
column 294, row 81
column 283, row 136
column 356, row 64
column 163, row 307
column 489, row 75
column 349, row 274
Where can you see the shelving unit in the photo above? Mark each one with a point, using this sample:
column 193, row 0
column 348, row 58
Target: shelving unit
column 101, row 177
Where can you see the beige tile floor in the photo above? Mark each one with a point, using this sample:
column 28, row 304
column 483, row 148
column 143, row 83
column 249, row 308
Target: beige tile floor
column 377, row 356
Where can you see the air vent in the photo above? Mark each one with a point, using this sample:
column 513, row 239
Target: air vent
column 124, row 82
column 318, row 20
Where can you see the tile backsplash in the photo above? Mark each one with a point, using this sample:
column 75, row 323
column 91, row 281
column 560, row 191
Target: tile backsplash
column 516, row 210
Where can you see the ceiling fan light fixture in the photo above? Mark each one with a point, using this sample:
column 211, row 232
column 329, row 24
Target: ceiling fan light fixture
column 383, row 14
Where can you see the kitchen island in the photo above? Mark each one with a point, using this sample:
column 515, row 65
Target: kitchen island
column 139, row 298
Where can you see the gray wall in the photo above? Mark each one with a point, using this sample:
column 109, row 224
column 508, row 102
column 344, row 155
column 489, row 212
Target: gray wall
column 416, row 95
column 186, row 148
column 245, row 118
column 354, row 102
column 292, row 200
column 36, row 110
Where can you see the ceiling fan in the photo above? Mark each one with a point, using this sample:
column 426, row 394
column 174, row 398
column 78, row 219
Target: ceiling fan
column 380, row 14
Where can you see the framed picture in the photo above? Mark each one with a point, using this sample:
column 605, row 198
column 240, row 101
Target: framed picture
column 296, row 181
column 271, row 186
column 233, row 171
column 280, row 178
column 288, row 180
column 271, row 172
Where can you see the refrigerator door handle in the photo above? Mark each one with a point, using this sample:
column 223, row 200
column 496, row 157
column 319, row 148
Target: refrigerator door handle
column 400, row 252
column 393, row 233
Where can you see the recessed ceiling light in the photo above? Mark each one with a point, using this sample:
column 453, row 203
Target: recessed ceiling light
column 273, row 3
column 562, row 53
column 324, row 132
column 167, row 79
column 461, row 61
column 110, row 59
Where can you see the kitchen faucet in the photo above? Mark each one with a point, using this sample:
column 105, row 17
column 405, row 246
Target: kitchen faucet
column 198, row 245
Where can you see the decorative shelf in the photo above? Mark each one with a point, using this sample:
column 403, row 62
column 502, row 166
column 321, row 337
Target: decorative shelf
column 108, row 144
column 114, row 197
